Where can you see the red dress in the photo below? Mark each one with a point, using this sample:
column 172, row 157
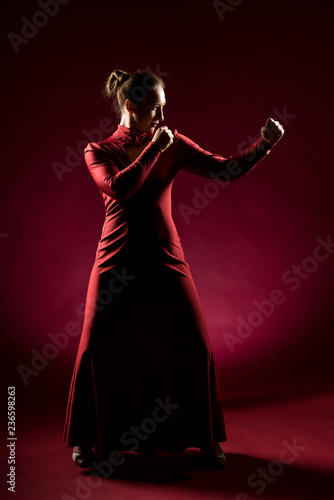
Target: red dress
column 144, row 376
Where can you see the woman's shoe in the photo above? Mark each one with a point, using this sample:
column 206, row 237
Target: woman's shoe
column 215, row 458
column 83, row 459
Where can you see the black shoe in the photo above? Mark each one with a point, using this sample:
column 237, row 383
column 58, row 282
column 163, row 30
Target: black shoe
column 84, row 459
column 215, row 459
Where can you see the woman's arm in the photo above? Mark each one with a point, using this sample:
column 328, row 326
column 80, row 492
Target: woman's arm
column 116, row 183
column 192, row 158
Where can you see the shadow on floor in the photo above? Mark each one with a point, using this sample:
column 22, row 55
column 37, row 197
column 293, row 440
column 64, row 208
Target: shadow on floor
column 243, row 474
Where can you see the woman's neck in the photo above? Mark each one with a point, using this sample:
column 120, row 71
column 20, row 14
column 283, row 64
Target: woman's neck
column 127, row 122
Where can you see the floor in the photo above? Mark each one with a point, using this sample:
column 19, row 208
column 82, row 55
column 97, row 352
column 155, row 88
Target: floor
column 274, row 451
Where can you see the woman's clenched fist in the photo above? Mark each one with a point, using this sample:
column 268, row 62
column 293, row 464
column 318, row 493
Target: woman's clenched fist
column 163, row 138
column 272, row 132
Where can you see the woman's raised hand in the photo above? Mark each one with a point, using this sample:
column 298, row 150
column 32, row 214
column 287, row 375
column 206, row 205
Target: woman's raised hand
column 272, row 132
column 163, row 138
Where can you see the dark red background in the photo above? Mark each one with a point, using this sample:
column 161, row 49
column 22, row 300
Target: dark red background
column 223, row 80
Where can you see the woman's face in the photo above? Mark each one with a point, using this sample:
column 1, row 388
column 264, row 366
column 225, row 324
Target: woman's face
column 149, row 112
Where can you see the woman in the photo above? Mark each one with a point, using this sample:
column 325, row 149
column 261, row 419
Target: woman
column 144, row 377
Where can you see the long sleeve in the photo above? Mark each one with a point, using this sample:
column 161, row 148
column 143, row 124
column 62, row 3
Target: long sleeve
column 119, row 184
column 192, row 158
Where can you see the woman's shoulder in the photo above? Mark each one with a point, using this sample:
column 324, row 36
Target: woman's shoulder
column 111, row 144
column 181, row 137
column 182, row 140
column 105, row 146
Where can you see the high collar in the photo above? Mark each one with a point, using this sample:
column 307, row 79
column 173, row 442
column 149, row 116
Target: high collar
column 132, row 135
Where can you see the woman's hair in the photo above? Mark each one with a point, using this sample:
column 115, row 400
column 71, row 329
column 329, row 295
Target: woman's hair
column 121, row 86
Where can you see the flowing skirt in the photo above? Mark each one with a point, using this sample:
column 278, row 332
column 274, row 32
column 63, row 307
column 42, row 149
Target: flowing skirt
column 144, row 377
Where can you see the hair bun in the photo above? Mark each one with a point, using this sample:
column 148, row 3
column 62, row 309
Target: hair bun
column 121, row 86
column 115, row 81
